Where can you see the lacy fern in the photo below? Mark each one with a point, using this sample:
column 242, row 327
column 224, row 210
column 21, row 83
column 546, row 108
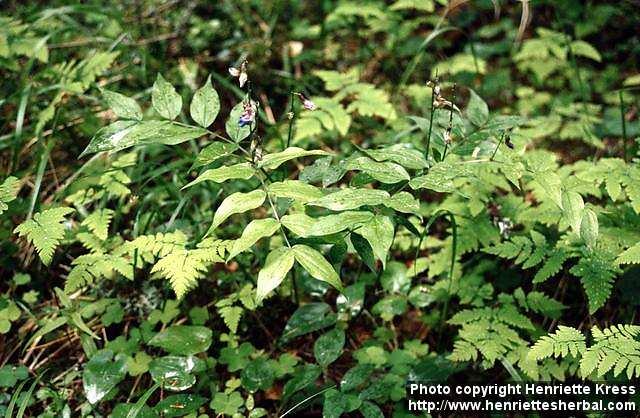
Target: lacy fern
column 45, row 231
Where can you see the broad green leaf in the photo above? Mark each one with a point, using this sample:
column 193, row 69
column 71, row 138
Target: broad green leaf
column 331, row 224
column 308, row 318
column 166, row 101
column 440, row 177
column 589, row 227
column 316, row 265
column 572, row 209
column 347, row 199
column 205, row 104
column 258, row 375
column 238, row 171
column 379, row 232
column 273, row 161
column 175, row 373
column 124, row 107
column 179, row 405
column 302, row 378
column 477, row 109
column 237, row 203
column 384, row 172
column 101, row 374
column 125, row 134
column 183, row 339
column 394, row 278
column 276, row 267
column 213, row 152
column 236, row 132
column 111, row 138
column 257, row 229
column 406, row 157
column 364, row 250
column 328, row 347
column 298, row 223
column 403, row 202
column 296, row 190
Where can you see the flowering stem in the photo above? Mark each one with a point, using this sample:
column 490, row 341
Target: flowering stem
column 433, row 96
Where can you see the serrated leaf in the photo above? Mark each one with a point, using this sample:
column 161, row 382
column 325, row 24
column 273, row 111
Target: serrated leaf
column 237, row 203
column 276, row 267
column 572, row 209
column 205, row 104
column 218, row 175
column 98, row 222
column 8, row 192
column 166, row 101
column 316, row 265
column 630, row 255
column 589, row 228
column 45, row 230
column 124, row 107
column 273, row 161
column 257, row 229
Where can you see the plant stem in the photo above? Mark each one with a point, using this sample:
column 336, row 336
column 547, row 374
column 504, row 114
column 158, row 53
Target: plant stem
column 498, row 146
column 624, row 126
column 433, row 96
column 292, row 117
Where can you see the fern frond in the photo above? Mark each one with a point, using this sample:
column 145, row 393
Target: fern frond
column 231, row 316
column 98, row 222
column 90, row 267
column 630, row 255
column 45, row 230
column 8, row 192
column 614, row 348
column 551, row 267
column 597, row 272
column 564, row 341
column 184, row 267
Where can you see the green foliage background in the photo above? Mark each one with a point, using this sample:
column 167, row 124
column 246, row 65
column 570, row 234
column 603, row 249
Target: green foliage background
column 399, row 190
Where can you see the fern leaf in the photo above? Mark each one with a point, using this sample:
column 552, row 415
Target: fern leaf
column 8, row 192
column 630, row 256
column 98, row 222
column 184, row 267
column 564, row 341
column 597, row 273
column 551, row 267
column 231, row 316
column 45, row 231
column 91, row 267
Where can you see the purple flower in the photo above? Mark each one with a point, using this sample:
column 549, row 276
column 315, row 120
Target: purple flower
column 248, row 115
column 306, row 102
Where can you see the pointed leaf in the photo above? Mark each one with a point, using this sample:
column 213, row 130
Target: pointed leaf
column 166, row 101
column 257, row 229
column 183, row 339
column 273, row 161
column 213, row 152
column 347, row 199
column 238, row 171
column 124, row 107
column 205, row 104
column 277, row 265
column 316, row 265
column 296, row 190
column 237, row 203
